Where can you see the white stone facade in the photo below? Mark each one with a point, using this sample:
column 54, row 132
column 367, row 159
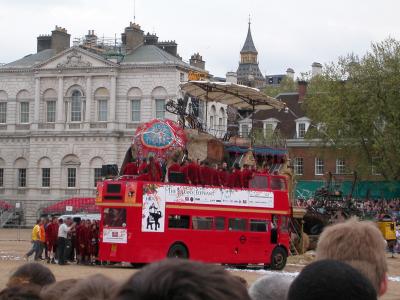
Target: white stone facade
column 80, row 116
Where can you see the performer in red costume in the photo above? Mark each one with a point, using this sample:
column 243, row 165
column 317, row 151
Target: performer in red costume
column 131, row 168
column 143, row 166
column 193, row 172
column 174, row 167
column 51, row 239
column 154, row 170
column 185, row 170
column 83, row 238
column 236, row 178
column 247, row 175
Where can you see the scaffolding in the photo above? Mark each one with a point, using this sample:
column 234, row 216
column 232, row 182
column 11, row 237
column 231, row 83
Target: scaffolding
column 108, row 47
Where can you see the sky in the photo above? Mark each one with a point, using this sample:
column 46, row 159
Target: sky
column 286, row 33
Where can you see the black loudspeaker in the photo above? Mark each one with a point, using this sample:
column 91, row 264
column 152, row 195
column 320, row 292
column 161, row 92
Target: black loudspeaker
column 108, row 171
column 176, row 177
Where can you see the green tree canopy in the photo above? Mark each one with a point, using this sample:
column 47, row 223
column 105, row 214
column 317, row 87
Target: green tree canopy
column 357, row 101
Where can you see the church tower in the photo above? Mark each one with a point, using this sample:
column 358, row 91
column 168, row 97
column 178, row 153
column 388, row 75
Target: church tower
column 248, row 72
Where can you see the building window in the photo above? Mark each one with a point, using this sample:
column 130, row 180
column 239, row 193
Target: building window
column 3, row 112
column 160, row 108
column 76, row 106
column 135, row 110
column 298, row 166
column 245, row 130
column 268, row 129
column 97, row 176
column 182, row 77
column 24, row 113
column 45, row 177
column 71, row 177
column 51, row 111
column 1, row 177
column 21, row 177
column 301, row 127
column 340, row 166
column 319, row 166
column 102, row 110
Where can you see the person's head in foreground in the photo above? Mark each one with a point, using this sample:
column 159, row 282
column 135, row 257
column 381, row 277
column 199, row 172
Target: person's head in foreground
column 91, row 288
column 331, row 280
column 31, row 273
column 359, row 244
column 23, row 292
column 56, row 289
column 175, row 279
column 270, row 287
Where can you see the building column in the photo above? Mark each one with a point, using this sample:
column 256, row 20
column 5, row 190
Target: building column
column 60, row 103
column 113, row 97
column 37, row 102
column 88, row 108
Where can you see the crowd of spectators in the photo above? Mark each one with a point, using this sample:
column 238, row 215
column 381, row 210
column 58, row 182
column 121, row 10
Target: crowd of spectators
column 63, row 241
column 350, row 264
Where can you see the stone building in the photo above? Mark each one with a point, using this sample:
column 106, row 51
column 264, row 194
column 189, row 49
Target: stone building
column 65, row 111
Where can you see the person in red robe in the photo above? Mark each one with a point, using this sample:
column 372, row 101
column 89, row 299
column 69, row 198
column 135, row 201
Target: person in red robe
column 185, row 170
column 131, row 168
column 193, row 172
column 205, row 174
column 94, row 242
column 247, row 175
column 154, row 170
column 215, row 176
column 51, row 231
column 174, row 167
column 143, row 166
column 236, row 178
column 83, row 241
column 223, row 174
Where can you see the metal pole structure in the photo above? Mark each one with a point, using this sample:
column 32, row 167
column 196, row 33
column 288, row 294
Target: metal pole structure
column 206, row 110
column 252, row 127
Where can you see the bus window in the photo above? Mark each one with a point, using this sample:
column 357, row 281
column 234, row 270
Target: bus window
column 220, row 223
column 278, row 184
column 177, row 221
column 258, row 225
column 237, row 224
column 114, row 217
column 202, row 223
column 258, row 182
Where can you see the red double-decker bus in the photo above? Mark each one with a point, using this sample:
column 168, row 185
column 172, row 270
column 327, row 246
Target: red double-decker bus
column 142, row 222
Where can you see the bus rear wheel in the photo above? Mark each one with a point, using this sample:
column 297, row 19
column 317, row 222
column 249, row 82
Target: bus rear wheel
column 178, row 251
column 278, row 259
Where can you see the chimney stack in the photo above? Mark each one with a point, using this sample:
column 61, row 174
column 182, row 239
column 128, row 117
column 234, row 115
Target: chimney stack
column 60, row 39
column 196, row 60
column 43, row 42
column 302, row 89
column 290, row 73
column 133, row 37
column 231, row 77
column 316, row 69
column 169, row 46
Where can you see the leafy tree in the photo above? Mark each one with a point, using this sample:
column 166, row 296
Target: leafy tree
column 357, row 103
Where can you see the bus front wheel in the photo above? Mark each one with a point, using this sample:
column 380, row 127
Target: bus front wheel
column 278, row 259
column 178, row 251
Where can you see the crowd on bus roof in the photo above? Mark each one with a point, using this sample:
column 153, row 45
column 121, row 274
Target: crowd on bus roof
column 194, row 172
column 350, row 264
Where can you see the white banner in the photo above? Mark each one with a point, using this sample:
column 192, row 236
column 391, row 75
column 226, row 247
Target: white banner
column 215, row 196
column 115, row 235
column 155, row 196
column 153, row 209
